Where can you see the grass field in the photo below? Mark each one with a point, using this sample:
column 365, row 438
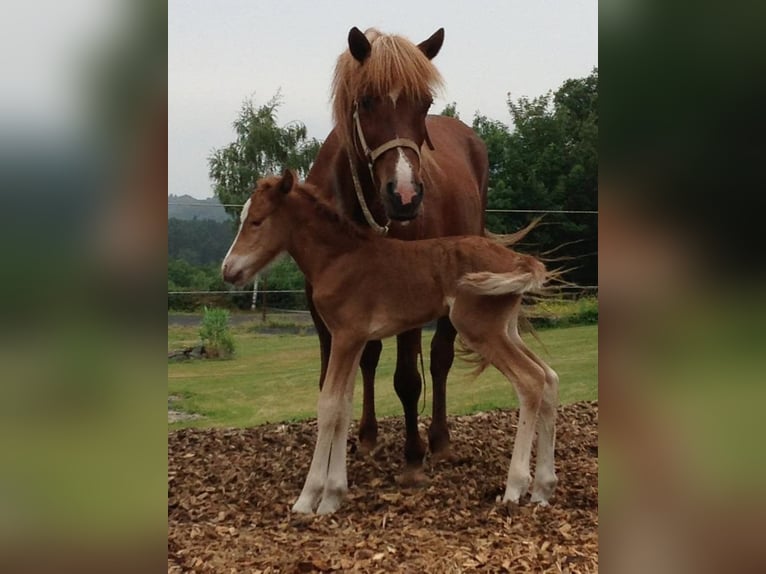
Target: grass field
column 274, row 378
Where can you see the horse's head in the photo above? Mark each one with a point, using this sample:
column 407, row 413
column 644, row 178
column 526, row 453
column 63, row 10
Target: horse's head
column 259, row 239
column 382, row 91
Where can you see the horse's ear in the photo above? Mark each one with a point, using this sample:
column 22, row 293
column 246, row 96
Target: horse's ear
column 432, row 46
column 358, row 44
column 287, row 182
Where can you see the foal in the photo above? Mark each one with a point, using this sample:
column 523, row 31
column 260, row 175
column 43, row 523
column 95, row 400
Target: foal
column 369, row 287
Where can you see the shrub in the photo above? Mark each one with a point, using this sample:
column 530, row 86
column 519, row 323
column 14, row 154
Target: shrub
column 215, row 334
column 564, row 312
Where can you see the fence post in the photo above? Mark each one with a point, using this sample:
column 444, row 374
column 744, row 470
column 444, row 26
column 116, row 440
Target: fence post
column 255, row 290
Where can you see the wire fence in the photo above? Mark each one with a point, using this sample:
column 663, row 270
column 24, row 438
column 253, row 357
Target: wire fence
column 268, row 292
column 294, row 291
column 544, row 211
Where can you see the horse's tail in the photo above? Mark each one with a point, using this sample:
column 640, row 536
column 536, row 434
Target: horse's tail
column 509, row 239
column 530, row 277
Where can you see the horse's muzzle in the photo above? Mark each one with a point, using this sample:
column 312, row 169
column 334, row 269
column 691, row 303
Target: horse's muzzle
column 403, row 201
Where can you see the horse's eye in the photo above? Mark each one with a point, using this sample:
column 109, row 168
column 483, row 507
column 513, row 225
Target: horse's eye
column 255, row 223
column 366, row 103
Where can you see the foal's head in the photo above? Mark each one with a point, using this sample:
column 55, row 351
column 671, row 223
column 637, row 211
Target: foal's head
column 382, row 90
column 259, row 239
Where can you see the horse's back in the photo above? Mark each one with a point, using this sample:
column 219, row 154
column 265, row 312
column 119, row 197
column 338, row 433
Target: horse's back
column 456, row 144
column 457, row 174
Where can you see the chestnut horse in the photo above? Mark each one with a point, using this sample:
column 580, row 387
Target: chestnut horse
column 369, row 287
column 376, row 169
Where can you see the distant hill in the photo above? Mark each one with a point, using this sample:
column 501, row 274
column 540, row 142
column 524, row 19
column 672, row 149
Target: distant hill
column 187, row 207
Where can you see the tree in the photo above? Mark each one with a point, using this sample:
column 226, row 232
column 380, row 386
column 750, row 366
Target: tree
column 198, row 241
column 451, row 111
column 261, row 148
column 548, row 160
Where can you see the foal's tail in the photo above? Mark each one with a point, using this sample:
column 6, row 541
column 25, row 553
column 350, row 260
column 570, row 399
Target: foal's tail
column 530, row 277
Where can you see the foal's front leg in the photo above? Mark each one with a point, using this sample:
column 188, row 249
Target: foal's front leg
column 327, row 475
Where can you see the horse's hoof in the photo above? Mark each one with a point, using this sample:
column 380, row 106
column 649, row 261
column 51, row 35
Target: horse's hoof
column 367, row 446
column 412, row 477
column 444, row 455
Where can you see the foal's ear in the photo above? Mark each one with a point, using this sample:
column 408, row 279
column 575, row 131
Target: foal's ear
column 358, row 44
column 287, row 182
column 432, row 46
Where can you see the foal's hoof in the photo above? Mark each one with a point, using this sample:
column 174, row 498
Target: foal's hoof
column 507, row 507
column 302, row 506
column 412, row 477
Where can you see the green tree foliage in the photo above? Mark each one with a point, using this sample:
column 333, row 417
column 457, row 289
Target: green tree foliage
column 261, row 148
column 199, row 241
column 450, row 110
column 548, row 160
column 185, row 276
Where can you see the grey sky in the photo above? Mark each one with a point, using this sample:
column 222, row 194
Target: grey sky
column 221, row 52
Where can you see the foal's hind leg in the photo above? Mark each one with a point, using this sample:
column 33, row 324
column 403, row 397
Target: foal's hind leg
column 545, row 471
column 529, row 380
column 483, row 324
column 442, row 355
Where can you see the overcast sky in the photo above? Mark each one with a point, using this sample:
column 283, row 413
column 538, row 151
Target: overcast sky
column 221, row 52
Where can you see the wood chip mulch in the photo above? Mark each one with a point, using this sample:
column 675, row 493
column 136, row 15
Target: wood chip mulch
column 230, row 493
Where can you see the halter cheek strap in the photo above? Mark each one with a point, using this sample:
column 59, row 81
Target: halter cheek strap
column 372, row 156
column 379, row 229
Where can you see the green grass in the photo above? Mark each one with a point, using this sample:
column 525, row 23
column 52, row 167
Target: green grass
column 274, row 378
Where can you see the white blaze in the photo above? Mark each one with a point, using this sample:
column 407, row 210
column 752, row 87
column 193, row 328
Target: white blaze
column 403, row 169
column 242, row 217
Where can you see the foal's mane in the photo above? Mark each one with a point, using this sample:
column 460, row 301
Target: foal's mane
column 327, row 212
column 394, row 63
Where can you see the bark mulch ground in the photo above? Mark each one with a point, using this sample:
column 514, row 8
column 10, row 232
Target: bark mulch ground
column 230, row 493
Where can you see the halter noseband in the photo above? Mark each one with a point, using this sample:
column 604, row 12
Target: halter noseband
column 372, row 156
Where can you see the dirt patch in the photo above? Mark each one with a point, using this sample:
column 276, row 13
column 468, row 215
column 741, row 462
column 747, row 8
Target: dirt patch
column 175, row 416
column 230, row 493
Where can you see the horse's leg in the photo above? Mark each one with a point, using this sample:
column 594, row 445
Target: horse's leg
column 368, row 425
column 327, row 475
column 407, row 383
column 545, row 470
column 483, row 324
column 325, row 339
column 442, row 355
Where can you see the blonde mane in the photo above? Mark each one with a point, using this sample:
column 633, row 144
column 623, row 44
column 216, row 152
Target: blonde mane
column 394, row 63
